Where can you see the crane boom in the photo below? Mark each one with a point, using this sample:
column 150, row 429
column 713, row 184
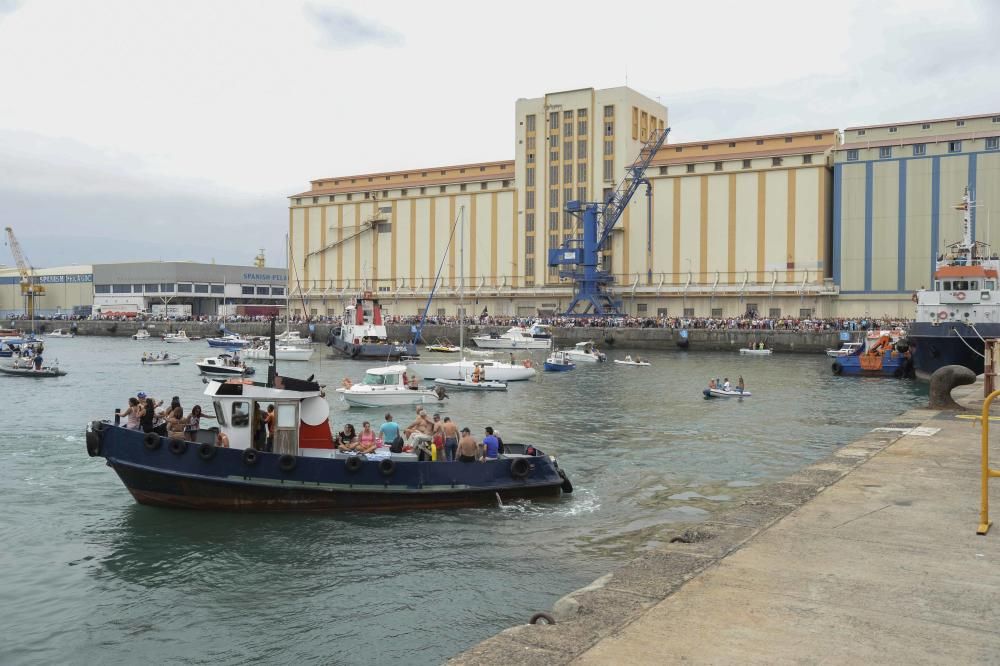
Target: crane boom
column 599, row 220
column 29, row 289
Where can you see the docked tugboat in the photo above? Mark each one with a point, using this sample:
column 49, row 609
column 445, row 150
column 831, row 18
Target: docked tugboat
column 962, row 307
column 304, row 472
column 361, row 333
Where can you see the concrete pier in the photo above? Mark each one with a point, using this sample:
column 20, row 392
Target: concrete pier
column 869, row 556
column 607, row 338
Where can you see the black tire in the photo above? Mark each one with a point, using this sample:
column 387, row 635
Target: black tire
column 520, row 468
column 567, row 485
column 287, row 462
column 93, row 444
column 387, row 466
column 178, row 446
column 355, row 350
column 354, row 463
column 206, row 451
column 838, row 369
column 151, row 441
column 250, row 457
column 542, row 616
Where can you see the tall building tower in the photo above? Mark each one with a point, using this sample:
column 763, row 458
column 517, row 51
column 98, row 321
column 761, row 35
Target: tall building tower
column 571, row 145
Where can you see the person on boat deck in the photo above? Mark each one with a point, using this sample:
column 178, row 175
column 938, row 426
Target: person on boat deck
column 468, row 449
column 222, row 440
column 142, row 399
column 628, row 357
column 259, row 429
column 366, row 439
column 438, row 434
column 132, row 414
column 711, row 384
column 726, row 386
column 413, row 383
column 491, row 445
column 450, row 431
column 38, row 360
column 194, row 422
column 476, row 375
column 739, row 384
column 147, row 414
column 347, row 439
column 638, row 359
column 389, row 430
column 420, row 432
column 176, row 423
column 269, row 419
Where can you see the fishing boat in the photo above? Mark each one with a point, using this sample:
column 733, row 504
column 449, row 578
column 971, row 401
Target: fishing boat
column 585, row 352
column 386, row 387
column 886, row 358
column 710, row 393
column 962, row 307
column 755, row 351
column 284, row 353
column 559, row 362
column 230, row 341
column 159, row 359
column 443, row 345
column 305, row 473
column 361, row 333
column 61, row 333
column 628, row 361
column 224, row 365
column 179, row 336
column 471, row 385
column 516, row 337
column 141, row 334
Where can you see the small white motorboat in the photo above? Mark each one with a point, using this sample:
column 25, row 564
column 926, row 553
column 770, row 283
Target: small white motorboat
column 141, row 334
column 282, row 352
column 849, row 349
column 179, row 336
column 517, row 337
column 478, row 352
column 628, row 361
column 442, row 345
column 293, row 338
column 224, row 365
column 559, row 362
column 469, row 385
column 586, row 352
column 495, row 370
column 61, row 333
column 160, row 359
column 230, row 341
column 755, row 352
column 722, row 393
column 385, row 387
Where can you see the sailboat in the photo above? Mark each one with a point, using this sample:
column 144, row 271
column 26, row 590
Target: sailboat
column 466, row 374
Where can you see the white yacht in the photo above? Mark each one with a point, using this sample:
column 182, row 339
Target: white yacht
column 493, row 370
column 516, row 337
column 282, row 352
column 384, row 387
column 585, row 352
column 179, row 336
column 141, row 334
column 61, row 333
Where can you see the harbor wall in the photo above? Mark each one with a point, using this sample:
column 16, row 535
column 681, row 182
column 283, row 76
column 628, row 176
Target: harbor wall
column 607, row 338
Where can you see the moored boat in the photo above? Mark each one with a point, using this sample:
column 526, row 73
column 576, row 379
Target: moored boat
column 179, row 336
column 224, row 365
column 361, row 333
column 385, row 387
column 471, row 385
column 629, row 361
column 160, row 359
column 443, row 345
column 230, row 341
column 283, row 353
column 559, row 362
column 755, row 351
column 847, row 349
column 61, row 333
column 494, row 370
column 44, row 371
column 585, row 352
column 517, row 337
column 141, row 334
column 885, row 357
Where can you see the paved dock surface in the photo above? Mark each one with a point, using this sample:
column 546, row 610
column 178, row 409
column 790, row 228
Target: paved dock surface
column 870, row 556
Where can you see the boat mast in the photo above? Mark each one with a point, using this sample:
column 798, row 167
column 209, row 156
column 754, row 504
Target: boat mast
column 461, row 281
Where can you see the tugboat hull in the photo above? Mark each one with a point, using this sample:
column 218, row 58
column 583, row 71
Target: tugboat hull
column 375, row 351
column 952, row 343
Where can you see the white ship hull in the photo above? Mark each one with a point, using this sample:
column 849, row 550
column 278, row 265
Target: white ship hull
column 501, row 372
column 384, row 396
column 486, row 342
column 282, row 354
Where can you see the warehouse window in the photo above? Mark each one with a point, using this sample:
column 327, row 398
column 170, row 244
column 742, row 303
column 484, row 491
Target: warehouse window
column 184, row 288
column 807, row 159
column 925, row 126
column 581, row 193
column 298, row 202
column 167, row 286
column 704, row 146
column 609, row 129
column 567, row 173
column 529, row 180
column 861, row 132
column 788, row 139
column 529, row 222
column 529, row 199
column 568, row 126
column 529, row 245
column 553, row 221
column 678, row 149
column 277, row 291
column 959, row 123
column 718, row 166
column 663, row 171
column 554, row 120
column 581, row 127
column 201, row 289
column 954, row 146
column 919, row 149
column 759, row 142
column 893, row 130
column 805, row 313
column 774, row 313
column 642, row 308
column 581, row 172
column 818, row 137
column 102, row 288
column 121, row 288
column 885, row 152
column 716, row 312
column 609, row 170
column 581, row 149
column 690, row 168
column 553, row 240
column 568, row 150
column 992, row 143
column 530, row 123
column 609, row 111
column 554, row 141
column 747, row 164
column 776, row 161
column 531, row 158
column 218, row 289
column 689, row 312
column 263, row 291
column 462, row 187
column 996, row 119
column 732, row 144
column 609, row 147
column 482, row 186
column 554, row 156
column 443, row 189
column 246, row 291
column 852, row 155
column 567, row 194
column 152, row 288
column 553, row 198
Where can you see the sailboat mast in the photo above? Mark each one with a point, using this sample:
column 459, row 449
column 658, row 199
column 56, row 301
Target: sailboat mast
column 461, row 281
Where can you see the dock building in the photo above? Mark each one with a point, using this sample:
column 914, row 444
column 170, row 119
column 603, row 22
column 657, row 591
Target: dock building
column 795, row 224
column 178, row 288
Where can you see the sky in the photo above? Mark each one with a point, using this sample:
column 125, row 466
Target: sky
column 133, row 130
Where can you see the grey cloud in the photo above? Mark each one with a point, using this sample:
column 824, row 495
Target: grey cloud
column 340, row 29
column 8, row 6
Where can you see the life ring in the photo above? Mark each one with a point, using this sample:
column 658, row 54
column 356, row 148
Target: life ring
column 151, row 441
column 943, row 314
column 387, row 466
column 960, row 295
column 93, row 444
column 286, row 462
column 838, row 369
column 206, row 451
column 178, row 446
column 353, row 464
column 520, row 468
column 567, row 485
column 527, row 363
column 250, row 457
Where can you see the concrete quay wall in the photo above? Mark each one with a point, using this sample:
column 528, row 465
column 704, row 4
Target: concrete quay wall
column 607, row 338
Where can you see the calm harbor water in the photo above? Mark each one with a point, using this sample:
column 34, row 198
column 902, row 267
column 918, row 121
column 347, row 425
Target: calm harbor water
column 88, row 576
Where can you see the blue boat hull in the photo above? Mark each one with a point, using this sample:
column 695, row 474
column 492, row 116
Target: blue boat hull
column 228, row 344
column 557, row 367
column 895, row 364
column 952, row 343
column 378, row 351
column 201, row 476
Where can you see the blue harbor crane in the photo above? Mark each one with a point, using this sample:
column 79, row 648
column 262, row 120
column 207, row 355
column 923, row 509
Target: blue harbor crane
column 591, row 283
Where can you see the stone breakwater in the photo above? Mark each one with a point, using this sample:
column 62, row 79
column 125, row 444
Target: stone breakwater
column 608, row 338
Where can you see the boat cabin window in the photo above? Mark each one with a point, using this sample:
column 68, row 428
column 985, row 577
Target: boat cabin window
column 220, row 413
column 960, row 285
column 946, row 285
column 974, row 285
column 380, row 380
column 989, row 285
column 287, row 417
column 241, row 414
